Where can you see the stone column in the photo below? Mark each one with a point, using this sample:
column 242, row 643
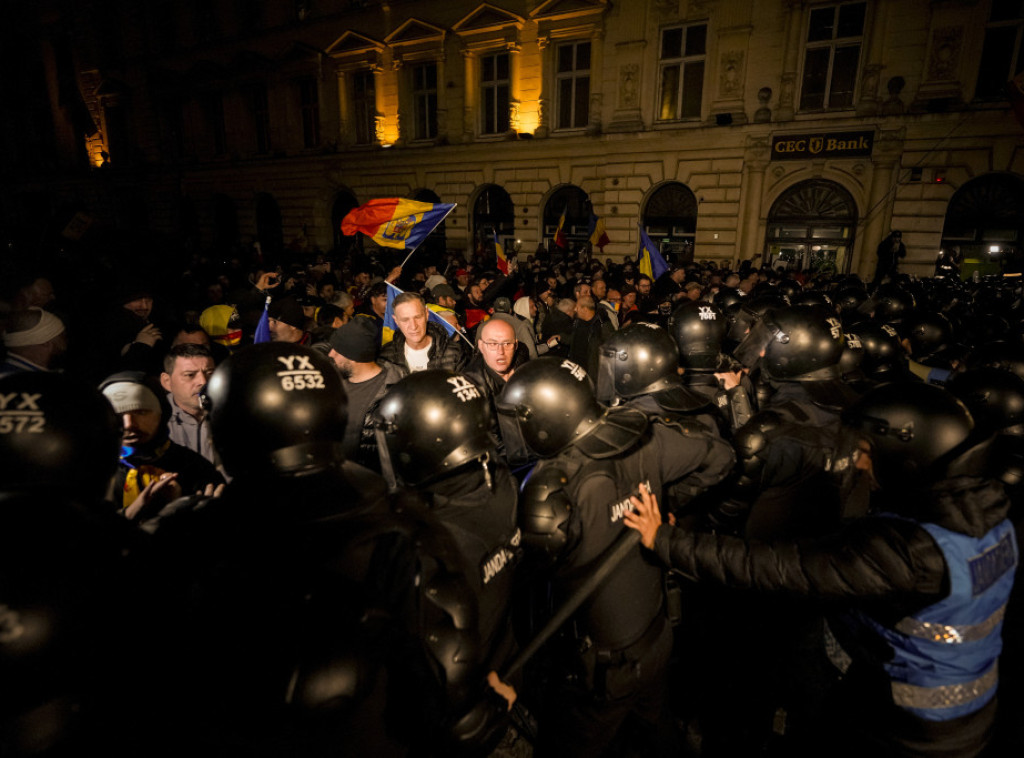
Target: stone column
column 755, row 162
column 472, row 96
column 788, row 97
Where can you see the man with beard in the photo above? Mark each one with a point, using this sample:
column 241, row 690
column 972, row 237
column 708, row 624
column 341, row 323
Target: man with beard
column 154, row 470
column 353, row 350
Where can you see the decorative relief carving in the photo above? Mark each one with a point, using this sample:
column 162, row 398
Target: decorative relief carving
column 947, row 44
column 730, row 83
column 629, row 85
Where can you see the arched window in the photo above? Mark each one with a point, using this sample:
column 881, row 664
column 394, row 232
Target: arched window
column 575, row 203
column 811, row 227
column 268, row 225
column 985, row 222
column 493, row 211
column 670, row 219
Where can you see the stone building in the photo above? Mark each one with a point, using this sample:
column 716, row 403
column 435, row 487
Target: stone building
column 799, row 131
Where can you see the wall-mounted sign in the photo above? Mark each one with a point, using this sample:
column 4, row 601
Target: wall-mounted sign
column 787, row 147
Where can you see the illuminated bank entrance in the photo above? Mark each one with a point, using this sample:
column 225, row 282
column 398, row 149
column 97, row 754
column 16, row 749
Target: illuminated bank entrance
column 811, row 227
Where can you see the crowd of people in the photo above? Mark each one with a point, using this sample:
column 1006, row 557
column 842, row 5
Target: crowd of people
column 272, row 507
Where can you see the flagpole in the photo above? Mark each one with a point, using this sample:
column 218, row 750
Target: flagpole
column 439, row 222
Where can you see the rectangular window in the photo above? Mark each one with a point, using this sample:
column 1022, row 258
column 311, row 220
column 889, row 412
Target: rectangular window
column 364, row 107
column 1001, row 57
column 681, row 78
column 572, row 73
column 835, row 34
column 424, row 90
column 261, row 118
column 494, row 86
column 309, row 101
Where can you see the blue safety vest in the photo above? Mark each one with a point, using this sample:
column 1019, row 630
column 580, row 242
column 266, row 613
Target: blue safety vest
column 945, row 657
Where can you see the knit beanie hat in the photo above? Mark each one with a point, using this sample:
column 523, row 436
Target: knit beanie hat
column 355, row 342
column 128, row 396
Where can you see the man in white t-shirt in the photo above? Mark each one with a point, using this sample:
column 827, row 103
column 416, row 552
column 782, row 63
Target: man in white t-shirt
column 419, row 344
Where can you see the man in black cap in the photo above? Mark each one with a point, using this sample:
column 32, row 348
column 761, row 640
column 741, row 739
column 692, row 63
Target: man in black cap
column 354, row 352
column 444, row 296
column 288, row 322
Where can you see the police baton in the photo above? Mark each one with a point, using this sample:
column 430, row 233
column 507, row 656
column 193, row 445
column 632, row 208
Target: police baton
column 624, row 544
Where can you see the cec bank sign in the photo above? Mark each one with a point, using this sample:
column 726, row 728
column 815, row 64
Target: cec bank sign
column 787, row 147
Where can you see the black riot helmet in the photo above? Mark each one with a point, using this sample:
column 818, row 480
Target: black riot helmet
column 890, row 304
column 787, row 288
column 994, row 397
column 56, row 432
column 433, row 422
column 553, row 402
column 698, row 330
column 800, row 343
column 811, row 297
column 728, row 299
column 751, row 312
column 277, row 409
column 929, row 334
column 885, row 360
column 915, row 431
column 636, row 360
column 849, row 299
column 642, row 359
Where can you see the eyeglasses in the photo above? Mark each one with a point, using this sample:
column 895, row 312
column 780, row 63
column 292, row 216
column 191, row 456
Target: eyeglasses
column 497, row 345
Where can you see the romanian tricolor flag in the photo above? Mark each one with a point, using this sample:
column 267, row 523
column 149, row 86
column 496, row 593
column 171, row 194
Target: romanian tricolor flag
column 396, row 222
column 598, row 235
column 650, row 262
column 560, row 240
column 499, row 252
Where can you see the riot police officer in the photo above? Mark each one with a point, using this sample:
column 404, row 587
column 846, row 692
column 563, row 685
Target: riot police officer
column 320, row 614
column 75, row 620
column 433, row 430
column 573, row 505
column 925, row 582
column 699, row 331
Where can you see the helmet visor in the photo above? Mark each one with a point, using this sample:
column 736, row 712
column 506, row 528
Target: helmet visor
column 605, row 392
column 752, row 347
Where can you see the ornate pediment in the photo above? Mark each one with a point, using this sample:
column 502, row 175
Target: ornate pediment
column 560, row 10
column 354, row 44
column 415, row 32
column 487, row 18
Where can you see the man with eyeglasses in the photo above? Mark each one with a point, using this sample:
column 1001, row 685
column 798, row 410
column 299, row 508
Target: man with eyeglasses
column 498, row 355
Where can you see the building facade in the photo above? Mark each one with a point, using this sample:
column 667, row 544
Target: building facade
column 798, row 131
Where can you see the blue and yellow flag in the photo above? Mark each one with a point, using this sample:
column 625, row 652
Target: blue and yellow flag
column 650, row 261
column 388, row 333
column 396, row 222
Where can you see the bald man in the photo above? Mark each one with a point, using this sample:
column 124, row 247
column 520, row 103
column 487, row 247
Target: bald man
column 498, row 355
